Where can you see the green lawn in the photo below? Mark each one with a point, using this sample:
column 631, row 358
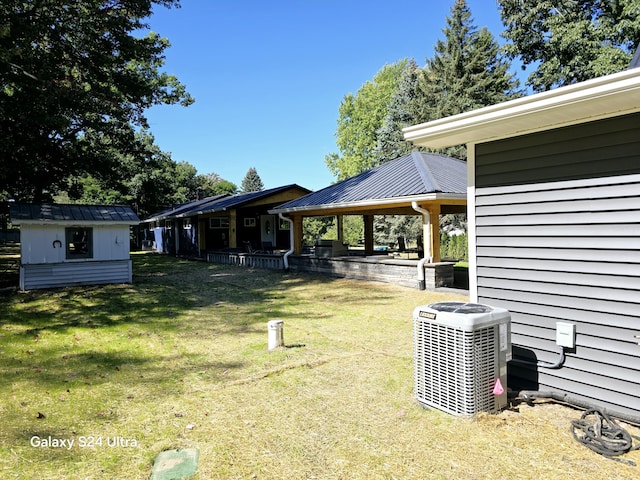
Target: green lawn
column 179, row 359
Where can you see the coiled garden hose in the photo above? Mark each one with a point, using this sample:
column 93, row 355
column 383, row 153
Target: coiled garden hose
column 603, row 435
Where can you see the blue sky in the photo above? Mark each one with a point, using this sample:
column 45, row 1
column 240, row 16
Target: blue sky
column 268, row 76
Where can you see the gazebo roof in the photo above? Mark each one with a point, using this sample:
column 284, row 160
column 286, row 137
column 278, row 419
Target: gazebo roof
column 418, row 176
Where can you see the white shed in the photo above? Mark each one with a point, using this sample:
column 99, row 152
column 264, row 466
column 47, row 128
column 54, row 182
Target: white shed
column 62, row 245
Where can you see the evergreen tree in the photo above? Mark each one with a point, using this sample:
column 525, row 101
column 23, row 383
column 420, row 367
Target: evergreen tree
column 467, row 71
column 403, row 110
column 252, row 182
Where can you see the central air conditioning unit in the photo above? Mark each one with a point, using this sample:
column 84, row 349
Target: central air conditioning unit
column 461, row 352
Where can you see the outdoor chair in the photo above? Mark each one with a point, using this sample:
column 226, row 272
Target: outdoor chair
column 248, row 248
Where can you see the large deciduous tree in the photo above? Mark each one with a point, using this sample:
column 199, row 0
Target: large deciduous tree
column 359, row 118
column 569, row 41
column 148, row 180
column 75, row 79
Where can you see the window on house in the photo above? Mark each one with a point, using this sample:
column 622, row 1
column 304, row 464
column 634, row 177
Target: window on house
column 249, row 222
column 186, row 223
column 284, row 225
column 218, row 222
column 79, row 242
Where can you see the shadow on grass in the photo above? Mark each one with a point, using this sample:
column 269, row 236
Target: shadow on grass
column 170, row 300
column 163, row 288
column 53, row 369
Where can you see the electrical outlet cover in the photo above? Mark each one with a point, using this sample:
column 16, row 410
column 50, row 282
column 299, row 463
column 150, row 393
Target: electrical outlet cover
column 566, row 334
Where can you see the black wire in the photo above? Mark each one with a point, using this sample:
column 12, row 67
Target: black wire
column 602, row 435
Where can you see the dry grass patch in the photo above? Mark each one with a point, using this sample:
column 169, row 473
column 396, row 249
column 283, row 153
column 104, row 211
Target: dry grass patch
column 179, row 359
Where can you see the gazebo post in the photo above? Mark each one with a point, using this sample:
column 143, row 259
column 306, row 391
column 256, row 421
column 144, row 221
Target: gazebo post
column 434, row 213
column 340, row 228
column 368, row 234
column 297, row 234
column 426, row 231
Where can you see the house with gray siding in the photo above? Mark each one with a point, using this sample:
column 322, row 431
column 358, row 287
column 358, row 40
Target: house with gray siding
column 554, row 233
column 63, row 245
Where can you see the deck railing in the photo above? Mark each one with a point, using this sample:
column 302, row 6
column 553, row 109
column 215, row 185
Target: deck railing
column 249, row 260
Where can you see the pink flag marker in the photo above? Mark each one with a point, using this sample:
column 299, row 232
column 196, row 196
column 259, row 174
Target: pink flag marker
column 497, row 388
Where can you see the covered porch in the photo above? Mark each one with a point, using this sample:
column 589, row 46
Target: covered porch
column 419, row 184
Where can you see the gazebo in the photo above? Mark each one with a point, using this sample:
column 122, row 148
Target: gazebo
column 420, row 183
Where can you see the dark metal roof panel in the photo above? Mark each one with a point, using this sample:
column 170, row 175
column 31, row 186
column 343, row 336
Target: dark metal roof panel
column 217, row 203
column 183, row 208
column 241, row 199
column 418, row 173
column 72, row 213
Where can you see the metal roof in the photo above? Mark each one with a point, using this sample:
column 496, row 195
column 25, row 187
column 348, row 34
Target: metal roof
column 219, row 204
column 178, row 210
column 71, row 214
column 245, row 198
column 411, row 176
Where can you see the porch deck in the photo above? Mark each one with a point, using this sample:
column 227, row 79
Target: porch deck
column 379, row 268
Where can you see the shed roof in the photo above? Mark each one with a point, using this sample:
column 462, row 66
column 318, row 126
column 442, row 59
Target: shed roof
column 24, row 213
column 417, row 176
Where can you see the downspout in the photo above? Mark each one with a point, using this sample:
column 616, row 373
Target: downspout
column 426, row 222
column 285, row 258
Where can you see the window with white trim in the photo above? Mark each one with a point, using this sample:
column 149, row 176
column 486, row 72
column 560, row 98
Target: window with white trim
column 218, row 222
column 79, row 241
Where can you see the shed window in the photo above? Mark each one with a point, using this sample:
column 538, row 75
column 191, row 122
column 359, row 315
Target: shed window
column 79, row 242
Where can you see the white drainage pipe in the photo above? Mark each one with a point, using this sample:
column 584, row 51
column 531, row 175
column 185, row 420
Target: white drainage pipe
column 285, row 258
column 426, row 234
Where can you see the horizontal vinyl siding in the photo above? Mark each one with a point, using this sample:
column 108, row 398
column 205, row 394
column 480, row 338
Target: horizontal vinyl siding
column 74, row 273
column 603, row 148
column 566, row 251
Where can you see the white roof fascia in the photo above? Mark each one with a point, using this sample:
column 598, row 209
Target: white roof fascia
column 603, row 97
column 431, row 197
